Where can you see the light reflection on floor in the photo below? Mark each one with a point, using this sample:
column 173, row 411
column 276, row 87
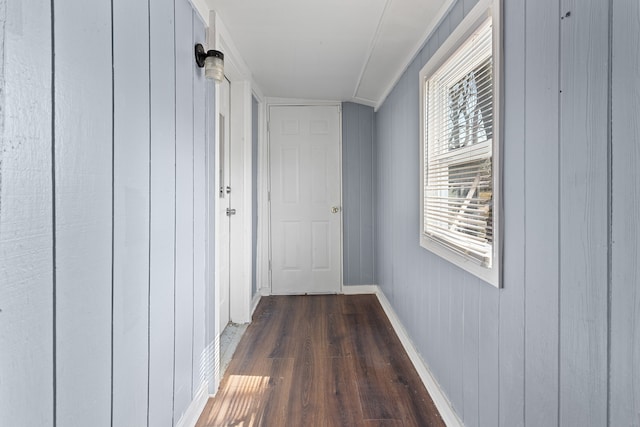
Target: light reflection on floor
column 240, row 400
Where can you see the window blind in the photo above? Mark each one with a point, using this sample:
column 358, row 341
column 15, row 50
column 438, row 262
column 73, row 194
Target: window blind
column 458, row 187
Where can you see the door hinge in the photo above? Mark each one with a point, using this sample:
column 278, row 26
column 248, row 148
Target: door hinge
column 268, row 127
column 269, row 265
column 268, row 196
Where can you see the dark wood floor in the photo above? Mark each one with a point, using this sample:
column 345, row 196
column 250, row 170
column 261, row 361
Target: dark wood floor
column 325, row 360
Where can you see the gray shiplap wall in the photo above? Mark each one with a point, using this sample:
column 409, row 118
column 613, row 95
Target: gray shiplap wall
column 26, row 211
column 102, row 293
column 83, row 231
column 625, row 234
column 559, row 344
column 358, row 193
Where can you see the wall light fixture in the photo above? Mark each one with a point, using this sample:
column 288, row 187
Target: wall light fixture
column 212, row 61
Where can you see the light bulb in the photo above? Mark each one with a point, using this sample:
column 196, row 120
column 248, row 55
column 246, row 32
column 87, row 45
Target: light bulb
column 214, row 66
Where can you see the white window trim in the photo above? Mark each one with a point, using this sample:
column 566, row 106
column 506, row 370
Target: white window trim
column 465, row 29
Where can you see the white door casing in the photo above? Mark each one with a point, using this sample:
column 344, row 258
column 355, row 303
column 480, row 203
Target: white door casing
column 236, row 251
column 224, row 173
column 306, row 212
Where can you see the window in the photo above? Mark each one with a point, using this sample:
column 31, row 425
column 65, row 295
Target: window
column 459, row 148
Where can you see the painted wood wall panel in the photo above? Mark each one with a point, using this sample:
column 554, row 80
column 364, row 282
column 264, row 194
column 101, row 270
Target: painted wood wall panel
column 199, row 214
column 456, row 321
column 625, row 197
column 470, row 362
column 437, row 320
column 519, row 325
column 366, row 132
column 162, row 220
column 584, row 213
column 398, row 195
column 350, row 184
column 110, row 316
column 488, row 356
column 545, row 352
column 184, row 209
column 406, row 216
column 468, row 5
column 83, row 209
column 130, row 212
column 383, row 132
column 542, row 223
column 26, row 229
column 358, row 204
column 512, row 302
column 455, row 16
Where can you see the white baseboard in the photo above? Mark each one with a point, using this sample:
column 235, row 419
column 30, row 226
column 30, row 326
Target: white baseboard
column 359, row 289
column 265, row 292
column 441, row 401
column 254, row 303
column 190, row 418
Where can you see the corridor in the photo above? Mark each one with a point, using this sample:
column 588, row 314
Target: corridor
column 323, row 360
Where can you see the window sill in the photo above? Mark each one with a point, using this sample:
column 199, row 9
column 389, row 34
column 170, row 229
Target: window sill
column 489, row 275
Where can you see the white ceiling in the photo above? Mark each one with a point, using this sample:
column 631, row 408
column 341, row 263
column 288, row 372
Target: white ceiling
column 328, row 49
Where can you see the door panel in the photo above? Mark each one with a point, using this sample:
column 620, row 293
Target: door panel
column 305, row 199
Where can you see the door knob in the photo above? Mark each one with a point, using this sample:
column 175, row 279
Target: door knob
column 231, row 212
column 335, row 209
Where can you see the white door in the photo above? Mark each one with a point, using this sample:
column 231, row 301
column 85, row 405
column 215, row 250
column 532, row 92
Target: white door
column 305, row 199
column 225, row 203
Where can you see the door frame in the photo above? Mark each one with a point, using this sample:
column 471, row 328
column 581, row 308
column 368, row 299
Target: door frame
column 241, row 89
column 265, row 206
column 240, row 142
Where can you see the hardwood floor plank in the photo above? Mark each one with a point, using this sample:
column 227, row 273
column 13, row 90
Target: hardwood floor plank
column 261, row 333
column 305, row 398
column 353, row 304
column 415, row 402
column 378, row 395
column 277, row 402
column 336, row 336
column 341, row 406
column 368, row 334
column 383, row 423
column 329, row 360
column 291, row 322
